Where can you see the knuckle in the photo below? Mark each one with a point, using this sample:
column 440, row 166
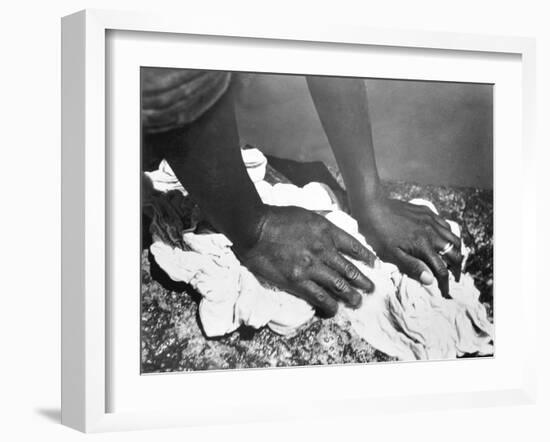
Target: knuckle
column 318, row 223
column 295, row 274
column 418, row 241
column 305, row 261
column 351, row 272
column 322, row 298
column 317, row 246
column 341, row 285
column 356, row 248
column 430, row 230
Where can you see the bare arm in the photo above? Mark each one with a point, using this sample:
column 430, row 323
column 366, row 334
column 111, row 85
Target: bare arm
column 290, row 246
column 407, row 235
column 343, row 110
column 206, row 159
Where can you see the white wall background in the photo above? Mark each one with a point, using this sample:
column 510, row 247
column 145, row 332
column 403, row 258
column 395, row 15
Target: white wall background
column 30, row 219
column 424, row 132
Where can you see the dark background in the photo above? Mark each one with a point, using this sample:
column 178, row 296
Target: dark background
column 424, row 132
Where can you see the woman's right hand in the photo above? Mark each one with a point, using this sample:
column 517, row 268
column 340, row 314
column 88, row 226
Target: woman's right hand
column 412, row 237
column 303, row 253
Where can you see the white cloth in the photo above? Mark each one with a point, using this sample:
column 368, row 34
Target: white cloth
column 401, row 318
column 164, row 179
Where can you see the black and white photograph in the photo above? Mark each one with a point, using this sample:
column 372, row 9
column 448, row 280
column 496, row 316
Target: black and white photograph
column 302, row 220
column 243, row 221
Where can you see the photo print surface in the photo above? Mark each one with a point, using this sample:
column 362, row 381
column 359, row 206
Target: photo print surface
column 295, row 220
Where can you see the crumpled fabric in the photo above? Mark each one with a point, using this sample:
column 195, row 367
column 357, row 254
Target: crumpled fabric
column 164, row 179
column 401, row 318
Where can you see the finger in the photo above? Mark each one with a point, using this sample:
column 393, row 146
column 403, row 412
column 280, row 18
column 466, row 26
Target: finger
column 347, row 244
column 428, row 213
column 317, row 297
column 414, row 267
column 440, row 221
column 440, row 235
column 336, row 285
column 349, row 271
column 436, row 265
column 440, row 243
column 448, row 235
column 453, row 257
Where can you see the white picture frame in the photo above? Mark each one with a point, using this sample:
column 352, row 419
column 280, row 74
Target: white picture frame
column 85, row 199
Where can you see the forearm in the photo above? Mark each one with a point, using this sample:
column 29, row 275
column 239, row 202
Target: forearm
column 401, row 233
column 343, row 110
column 207, row 160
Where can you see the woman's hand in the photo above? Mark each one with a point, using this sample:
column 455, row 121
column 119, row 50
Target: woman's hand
column 412, row 238
column 302, row 252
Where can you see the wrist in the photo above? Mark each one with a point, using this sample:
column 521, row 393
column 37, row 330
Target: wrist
column 367, row 201
column 248, row 229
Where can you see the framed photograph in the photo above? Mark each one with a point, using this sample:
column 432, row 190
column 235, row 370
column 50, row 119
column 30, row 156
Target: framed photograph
column 264, row 221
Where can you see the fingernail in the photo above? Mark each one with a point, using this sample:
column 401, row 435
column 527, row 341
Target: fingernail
column 456, row 274
column 426, row 278
column 356, row 300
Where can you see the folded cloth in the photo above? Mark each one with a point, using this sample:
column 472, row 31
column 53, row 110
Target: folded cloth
column 402, row 318
column 164, row 179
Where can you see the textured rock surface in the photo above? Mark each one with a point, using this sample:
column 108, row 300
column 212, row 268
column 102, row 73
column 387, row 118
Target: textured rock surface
column 172, row 339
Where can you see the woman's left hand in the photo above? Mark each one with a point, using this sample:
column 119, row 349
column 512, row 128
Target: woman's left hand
column 412, row 237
